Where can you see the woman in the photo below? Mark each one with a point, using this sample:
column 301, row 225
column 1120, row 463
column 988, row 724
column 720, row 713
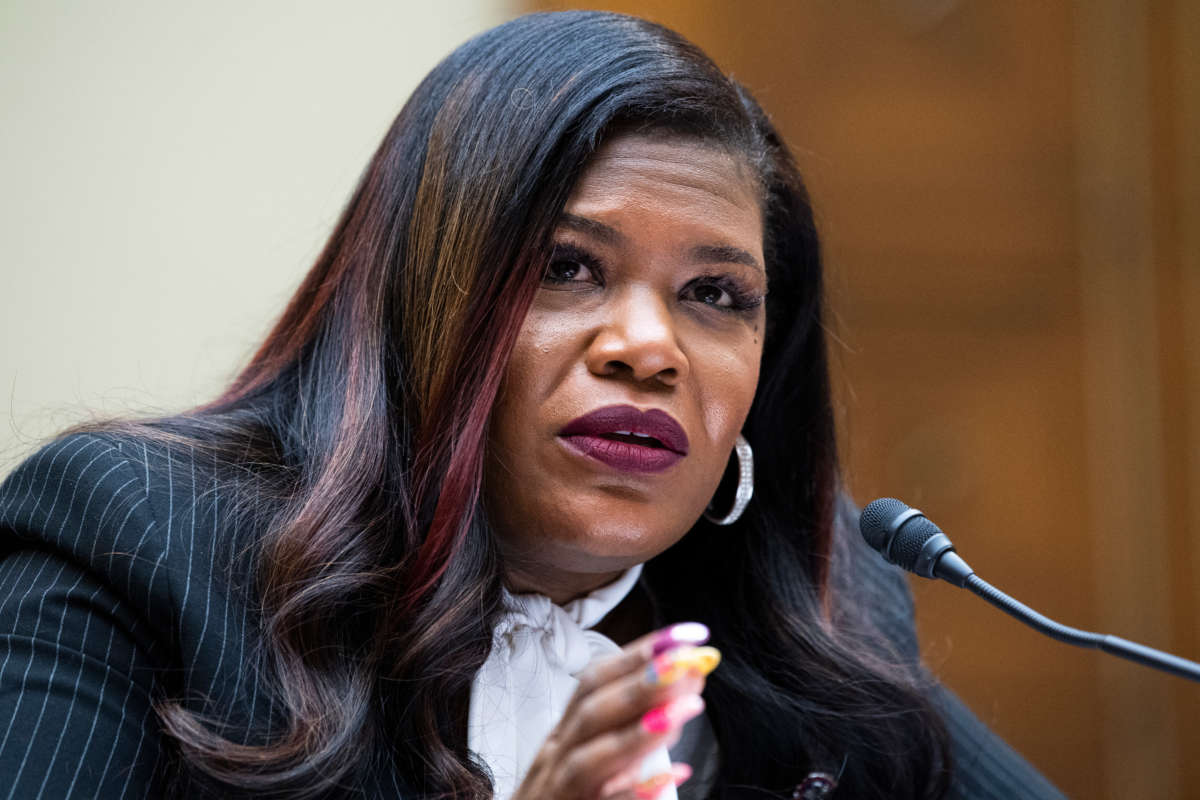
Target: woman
column 432, row 539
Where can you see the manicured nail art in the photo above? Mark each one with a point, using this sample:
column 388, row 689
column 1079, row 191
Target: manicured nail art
column 661, row 719
column 672, row 665
column 692, row 633
column 652, row 787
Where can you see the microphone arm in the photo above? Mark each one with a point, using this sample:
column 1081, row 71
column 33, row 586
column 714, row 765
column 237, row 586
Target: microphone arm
column 1115, row 645
column 906, row 537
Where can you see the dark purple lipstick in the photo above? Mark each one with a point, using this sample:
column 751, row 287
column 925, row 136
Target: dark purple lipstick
column 627, row 439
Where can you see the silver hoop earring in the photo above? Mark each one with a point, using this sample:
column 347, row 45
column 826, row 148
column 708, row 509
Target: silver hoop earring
column 745, row 485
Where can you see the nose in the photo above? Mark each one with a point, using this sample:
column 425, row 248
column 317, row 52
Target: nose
column 638, row 338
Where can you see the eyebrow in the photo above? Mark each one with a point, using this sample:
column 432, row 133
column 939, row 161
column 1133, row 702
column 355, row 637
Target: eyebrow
column 723, row 254
column 703, row 253
column 599, row 230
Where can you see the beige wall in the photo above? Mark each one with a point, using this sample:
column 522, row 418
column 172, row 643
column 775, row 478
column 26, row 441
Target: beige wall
column 168, row 171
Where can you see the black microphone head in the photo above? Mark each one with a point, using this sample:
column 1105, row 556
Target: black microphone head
column 875, row 522
column 908, row 539
column 896, row 530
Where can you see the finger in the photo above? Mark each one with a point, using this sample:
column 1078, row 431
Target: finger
column 632, row 789
column 668, row 675
column 635, row 656
column 590, row 765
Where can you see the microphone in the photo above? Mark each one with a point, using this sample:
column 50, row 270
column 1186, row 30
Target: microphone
column 907, row 538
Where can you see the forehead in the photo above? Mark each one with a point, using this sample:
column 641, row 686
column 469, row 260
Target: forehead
column 657, row 171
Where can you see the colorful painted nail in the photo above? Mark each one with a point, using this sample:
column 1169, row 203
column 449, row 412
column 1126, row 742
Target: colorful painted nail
column 652, row 787
column 693, row 633
column 661, row 719
column 674, row 664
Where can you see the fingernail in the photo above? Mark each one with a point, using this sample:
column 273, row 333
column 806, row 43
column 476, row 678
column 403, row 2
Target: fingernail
column 661, row 719
column 682, row 633
column 674, row 664
column 652, row 787
column 681, row 772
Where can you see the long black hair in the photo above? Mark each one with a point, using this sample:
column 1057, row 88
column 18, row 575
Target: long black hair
column 357, row 436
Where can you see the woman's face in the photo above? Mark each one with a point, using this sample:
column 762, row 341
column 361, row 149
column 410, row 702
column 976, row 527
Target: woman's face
column 635, row 367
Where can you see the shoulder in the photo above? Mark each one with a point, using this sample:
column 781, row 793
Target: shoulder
column 115, row 503
column 146, row 520
column 79, row 496
column 122, row 587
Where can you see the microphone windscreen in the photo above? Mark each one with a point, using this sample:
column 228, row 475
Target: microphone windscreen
column 911, row 539
column 876, row 520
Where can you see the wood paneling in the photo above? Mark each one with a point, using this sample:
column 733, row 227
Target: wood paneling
column 1009, row 196
column 1125, row 452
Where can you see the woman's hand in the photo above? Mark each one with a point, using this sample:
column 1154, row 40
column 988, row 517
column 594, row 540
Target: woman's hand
column 626, row 705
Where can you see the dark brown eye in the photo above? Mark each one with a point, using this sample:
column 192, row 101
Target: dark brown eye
column 723, row 293
column 711, row 295
column 565, row 270
column 572, row 265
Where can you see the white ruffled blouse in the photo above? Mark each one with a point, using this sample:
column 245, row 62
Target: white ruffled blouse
column 520, row 693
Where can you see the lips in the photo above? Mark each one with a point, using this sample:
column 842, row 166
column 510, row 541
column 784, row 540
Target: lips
column 628, row 439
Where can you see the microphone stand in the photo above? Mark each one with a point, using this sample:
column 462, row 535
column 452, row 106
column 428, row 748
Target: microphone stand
column 906, row 537
column 1115, row 645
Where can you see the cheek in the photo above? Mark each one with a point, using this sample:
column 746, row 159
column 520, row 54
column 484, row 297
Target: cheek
column 546, row 347
column 531, row 370
column 728, row 392
column 516, row 402
column 534, row 369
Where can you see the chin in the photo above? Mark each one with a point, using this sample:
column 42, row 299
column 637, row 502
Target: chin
column 616, row 543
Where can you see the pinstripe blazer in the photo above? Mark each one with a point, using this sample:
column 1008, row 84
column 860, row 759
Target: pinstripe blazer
column 118, row 589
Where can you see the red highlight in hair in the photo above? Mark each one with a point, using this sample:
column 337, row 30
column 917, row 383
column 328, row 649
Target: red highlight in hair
column 468, row 409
